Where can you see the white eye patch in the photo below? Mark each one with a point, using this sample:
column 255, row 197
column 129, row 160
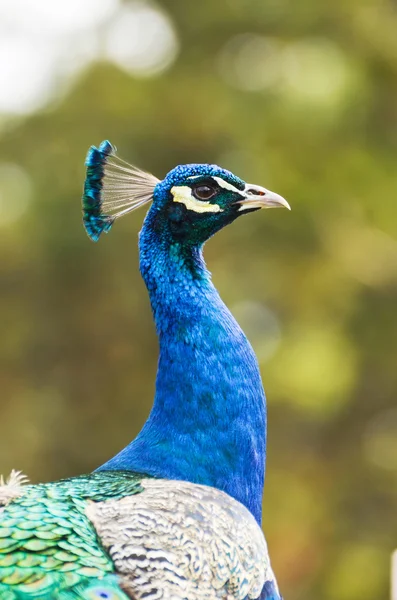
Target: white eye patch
column 227, row 186
column 183, row 194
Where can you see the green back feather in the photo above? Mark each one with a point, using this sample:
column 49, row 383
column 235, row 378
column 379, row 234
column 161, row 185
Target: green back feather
column 49, row 548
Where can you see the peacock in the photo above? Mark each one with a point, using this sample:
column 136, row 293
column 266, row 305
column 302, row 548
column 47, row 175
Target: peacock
column 176, row 514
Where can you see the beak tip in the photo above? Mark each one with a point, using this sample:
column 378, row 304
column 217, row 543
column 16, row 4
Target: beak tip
column 277, row 201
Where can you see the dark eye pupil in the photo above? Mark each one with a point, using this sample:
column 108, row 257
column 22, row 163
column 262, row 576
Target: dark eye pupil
column 203, row 192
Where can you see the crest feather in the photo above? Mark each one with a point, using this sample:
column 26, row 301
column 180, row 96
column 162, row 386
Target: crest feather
column 112, row 188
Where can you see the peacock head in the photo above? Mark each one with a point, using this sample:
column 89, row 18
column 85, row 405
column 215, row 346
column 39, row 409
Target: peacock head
column 189, row 205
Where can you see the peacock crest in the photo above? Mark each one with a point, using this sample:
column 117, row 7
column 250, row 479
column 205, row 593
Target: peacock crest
column 112, row 188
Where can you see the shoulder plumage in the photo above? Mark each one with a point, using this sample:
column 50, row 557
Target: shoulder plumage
column 182, row 536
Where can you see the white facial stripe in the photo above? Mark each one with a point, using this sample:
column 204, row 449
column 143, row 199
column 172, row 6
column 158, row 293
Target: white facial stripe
column 183, row 194
column 227, row 186
column 194, row 176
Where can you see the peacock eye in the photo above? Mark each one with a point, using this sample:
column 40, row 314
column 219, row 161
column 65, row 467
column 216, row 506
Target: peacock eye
column 204, row 192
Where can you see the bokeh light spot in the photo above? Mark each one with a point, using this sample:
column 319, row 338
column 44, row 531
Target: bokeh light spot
column 26, row 67
column 313, row 71
column 315, row 368
column 55, row 18
column 141, row 40
column 250, row 62
column 42, row 45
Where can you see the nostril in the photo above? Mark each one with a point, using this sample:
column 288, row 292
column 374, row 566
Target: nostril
column 255, row 192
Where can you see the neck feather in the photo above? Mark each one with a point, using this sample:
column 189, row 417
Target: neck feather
column 208, row 421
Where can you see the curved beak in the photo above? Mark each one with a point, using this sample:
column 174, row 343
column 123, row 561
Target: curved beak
column 259, row 197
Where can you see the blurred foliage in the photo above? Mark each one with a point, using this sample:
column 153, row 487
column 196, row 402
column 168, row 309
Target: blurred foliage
column 298, row 97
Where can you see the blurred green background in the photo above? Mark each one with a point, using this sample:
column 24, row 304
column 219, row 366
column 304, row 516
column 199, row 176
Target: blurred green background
column 300, row 97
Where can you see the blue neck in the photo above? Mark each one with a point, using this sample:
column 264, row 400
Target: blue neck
column 208, row 421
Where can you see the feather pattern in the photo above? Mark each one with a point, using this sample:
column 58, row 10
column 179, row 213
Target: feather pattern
column 159, row 539
column 177, row 539
column 47, row 543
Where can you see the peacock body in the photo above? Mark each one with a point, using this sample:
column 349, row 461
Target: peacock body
column 176, row 514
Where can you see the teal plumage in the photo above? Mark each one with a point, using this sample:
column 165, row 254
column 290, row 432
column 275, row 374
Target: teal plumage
column 147, row 524
column 47, row 544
